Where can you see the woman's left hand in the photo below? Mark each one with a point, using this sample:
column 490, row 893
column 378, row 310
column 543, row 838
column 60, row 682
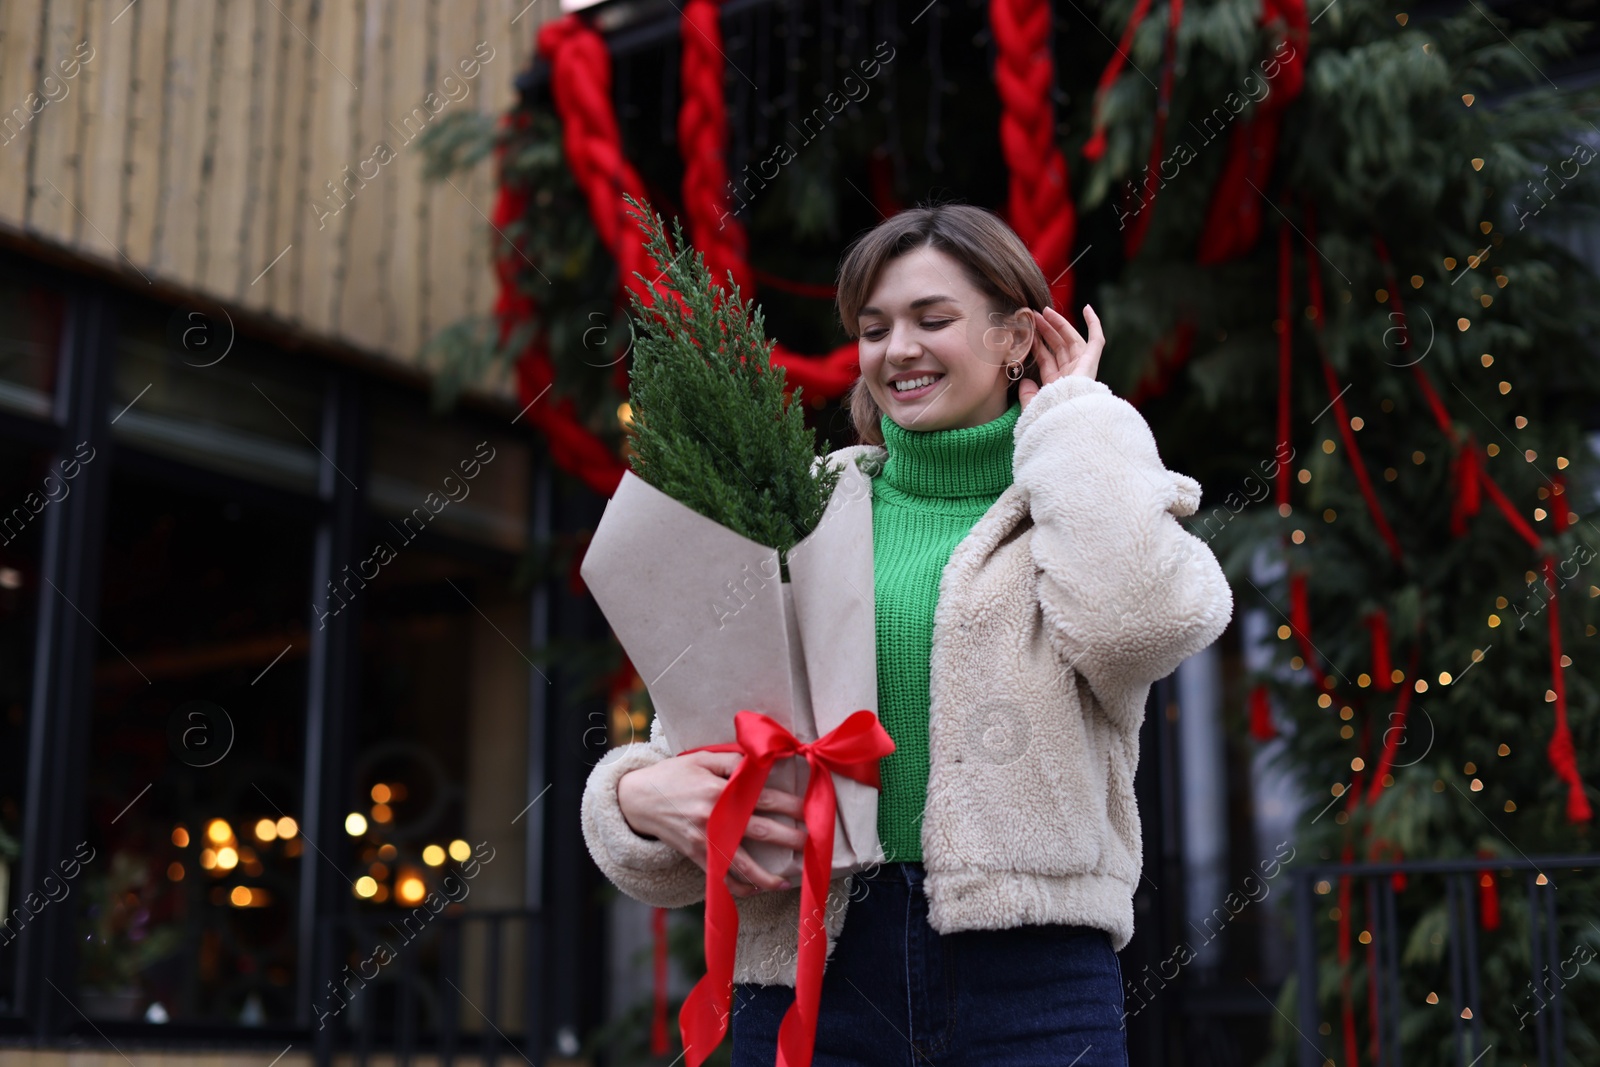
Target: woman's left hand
column 1060, row 350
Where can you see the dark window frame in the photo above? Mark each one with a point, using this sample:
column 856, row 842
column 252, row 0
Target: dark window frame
column 43, row 955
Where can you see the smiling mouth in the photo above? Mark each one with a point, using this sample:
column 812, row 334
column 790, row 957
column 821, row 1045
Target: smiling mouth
column 928, row 382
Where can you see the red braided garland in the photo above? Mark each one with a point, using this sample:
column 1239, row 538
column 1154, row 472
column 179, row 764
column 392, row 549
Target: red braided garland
column 1039, row 203
column 580, row 84
column 572, row 447
column 703, row 142
column 1488, row 896
column 580, row 76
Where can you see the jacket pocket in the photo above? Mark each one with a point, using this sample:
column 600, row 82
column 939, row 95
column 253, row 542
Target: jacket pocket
column 1020, row 781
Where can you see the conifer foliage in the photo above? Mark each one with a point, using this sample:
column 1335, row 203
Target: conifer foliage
column 1411, row 612
column 711, row 424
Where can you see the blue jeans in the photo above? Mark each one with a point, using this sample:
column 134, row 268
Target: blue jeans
column 896, row 991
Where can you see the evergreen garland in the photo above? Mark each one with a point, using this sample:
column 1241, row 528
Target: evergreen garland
column 1396, row 134
column 710, row 423
column 561, row 267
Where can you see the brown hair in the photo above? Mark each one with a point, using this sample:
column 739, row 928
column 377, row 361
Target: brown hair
column 993, row 258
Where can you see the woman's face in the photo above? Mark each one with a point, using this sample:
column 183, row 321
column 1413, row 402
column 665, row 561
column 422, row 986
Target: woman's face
column 924, row 319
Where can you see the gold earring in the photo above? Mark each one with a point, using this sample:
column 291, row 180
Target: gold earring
column 1014, row 364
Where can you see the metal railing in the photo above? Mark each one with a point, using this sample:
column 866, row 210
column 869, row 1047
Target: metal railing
column 1466, row 999
column 447, row 985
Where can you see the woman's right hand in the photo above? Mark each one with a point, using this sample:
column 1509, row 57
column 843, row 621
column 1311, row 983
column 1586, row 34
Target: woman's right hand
column 671, row 801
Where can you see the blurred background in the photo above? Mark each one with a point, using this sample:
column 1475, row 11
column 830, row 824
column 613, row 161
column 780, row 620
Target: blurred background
column 313, row 385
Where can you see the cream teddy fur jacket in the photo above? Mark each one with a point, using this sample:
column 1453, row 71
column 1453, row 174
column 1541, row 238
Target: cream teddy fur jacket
column 1073, row 593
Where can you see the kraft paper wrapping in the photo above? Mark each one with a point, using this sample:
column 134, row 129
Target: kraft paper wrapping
column 711, row 629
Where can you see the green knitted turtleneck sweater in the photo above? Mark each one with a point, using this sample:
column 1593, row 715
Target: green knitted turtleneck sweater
column 934, row 486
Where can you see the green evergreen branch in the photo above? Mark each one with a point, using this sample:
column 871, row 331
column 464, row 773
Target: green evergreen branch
column 711, row 424
column 455, row 143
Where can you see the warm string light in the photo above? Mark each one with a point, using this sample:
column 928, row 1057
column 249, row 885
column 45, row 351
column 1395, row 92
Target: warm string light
column 1390, row 474
column 223, row 853
column 409, row 884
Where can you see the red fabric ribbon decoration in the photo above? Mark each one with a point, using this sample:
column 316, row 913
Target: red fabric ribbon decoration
column 1471, row 476
column 1394, row 733
column 1095, row 147
column 1559, row 511
column 1261, row 726
column 1468, row 477
column 1357, row 466
column 880, row 182
column 1561, row 751
column 1134, row 239
column 1382, row 671
column 1300, row 621
column 1488, row 899
column 1167, row 358
column 572, row 446
column 1509, row 510
column 1233, row 221
column 852, row 749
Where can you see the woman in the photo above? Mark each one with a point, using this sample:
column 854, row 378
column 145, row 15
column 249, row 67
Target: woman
column 1031, row 582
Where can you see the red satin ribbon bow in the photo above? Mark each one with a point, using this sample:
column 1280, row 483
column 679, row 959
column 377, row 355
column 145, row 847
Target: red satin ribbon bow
column 852, row 749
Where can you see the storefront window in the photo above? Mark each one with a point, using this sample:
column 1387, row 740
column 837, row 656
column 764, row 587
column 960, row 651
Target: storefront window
column 202, row 623
column 28, row 485
column 478, row 479
column 238, row 410
column 31, row 318
column 196, row 760
column 439, row 773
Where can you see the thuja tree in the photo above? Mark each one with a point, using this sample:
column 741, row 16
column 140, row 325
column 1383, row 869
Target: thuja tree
column 710, row 423
column 1428, row 173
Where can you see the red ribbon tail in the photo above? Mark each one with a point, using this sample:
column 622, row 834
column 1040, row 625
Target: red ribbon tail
column 658, row 1015
column 852, row 749
column 797, row 1032
column 1561, row 751
column 1300, row 620
column 703, row 1019
column 1488, row 901
column 1382, row 668
column 1261, row 726
column 1468, row 488
column 1559, row 511
column 1095, row 147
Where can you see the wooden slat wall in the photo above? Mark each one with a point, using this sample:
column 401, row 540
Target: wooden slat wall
column 193, row 145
